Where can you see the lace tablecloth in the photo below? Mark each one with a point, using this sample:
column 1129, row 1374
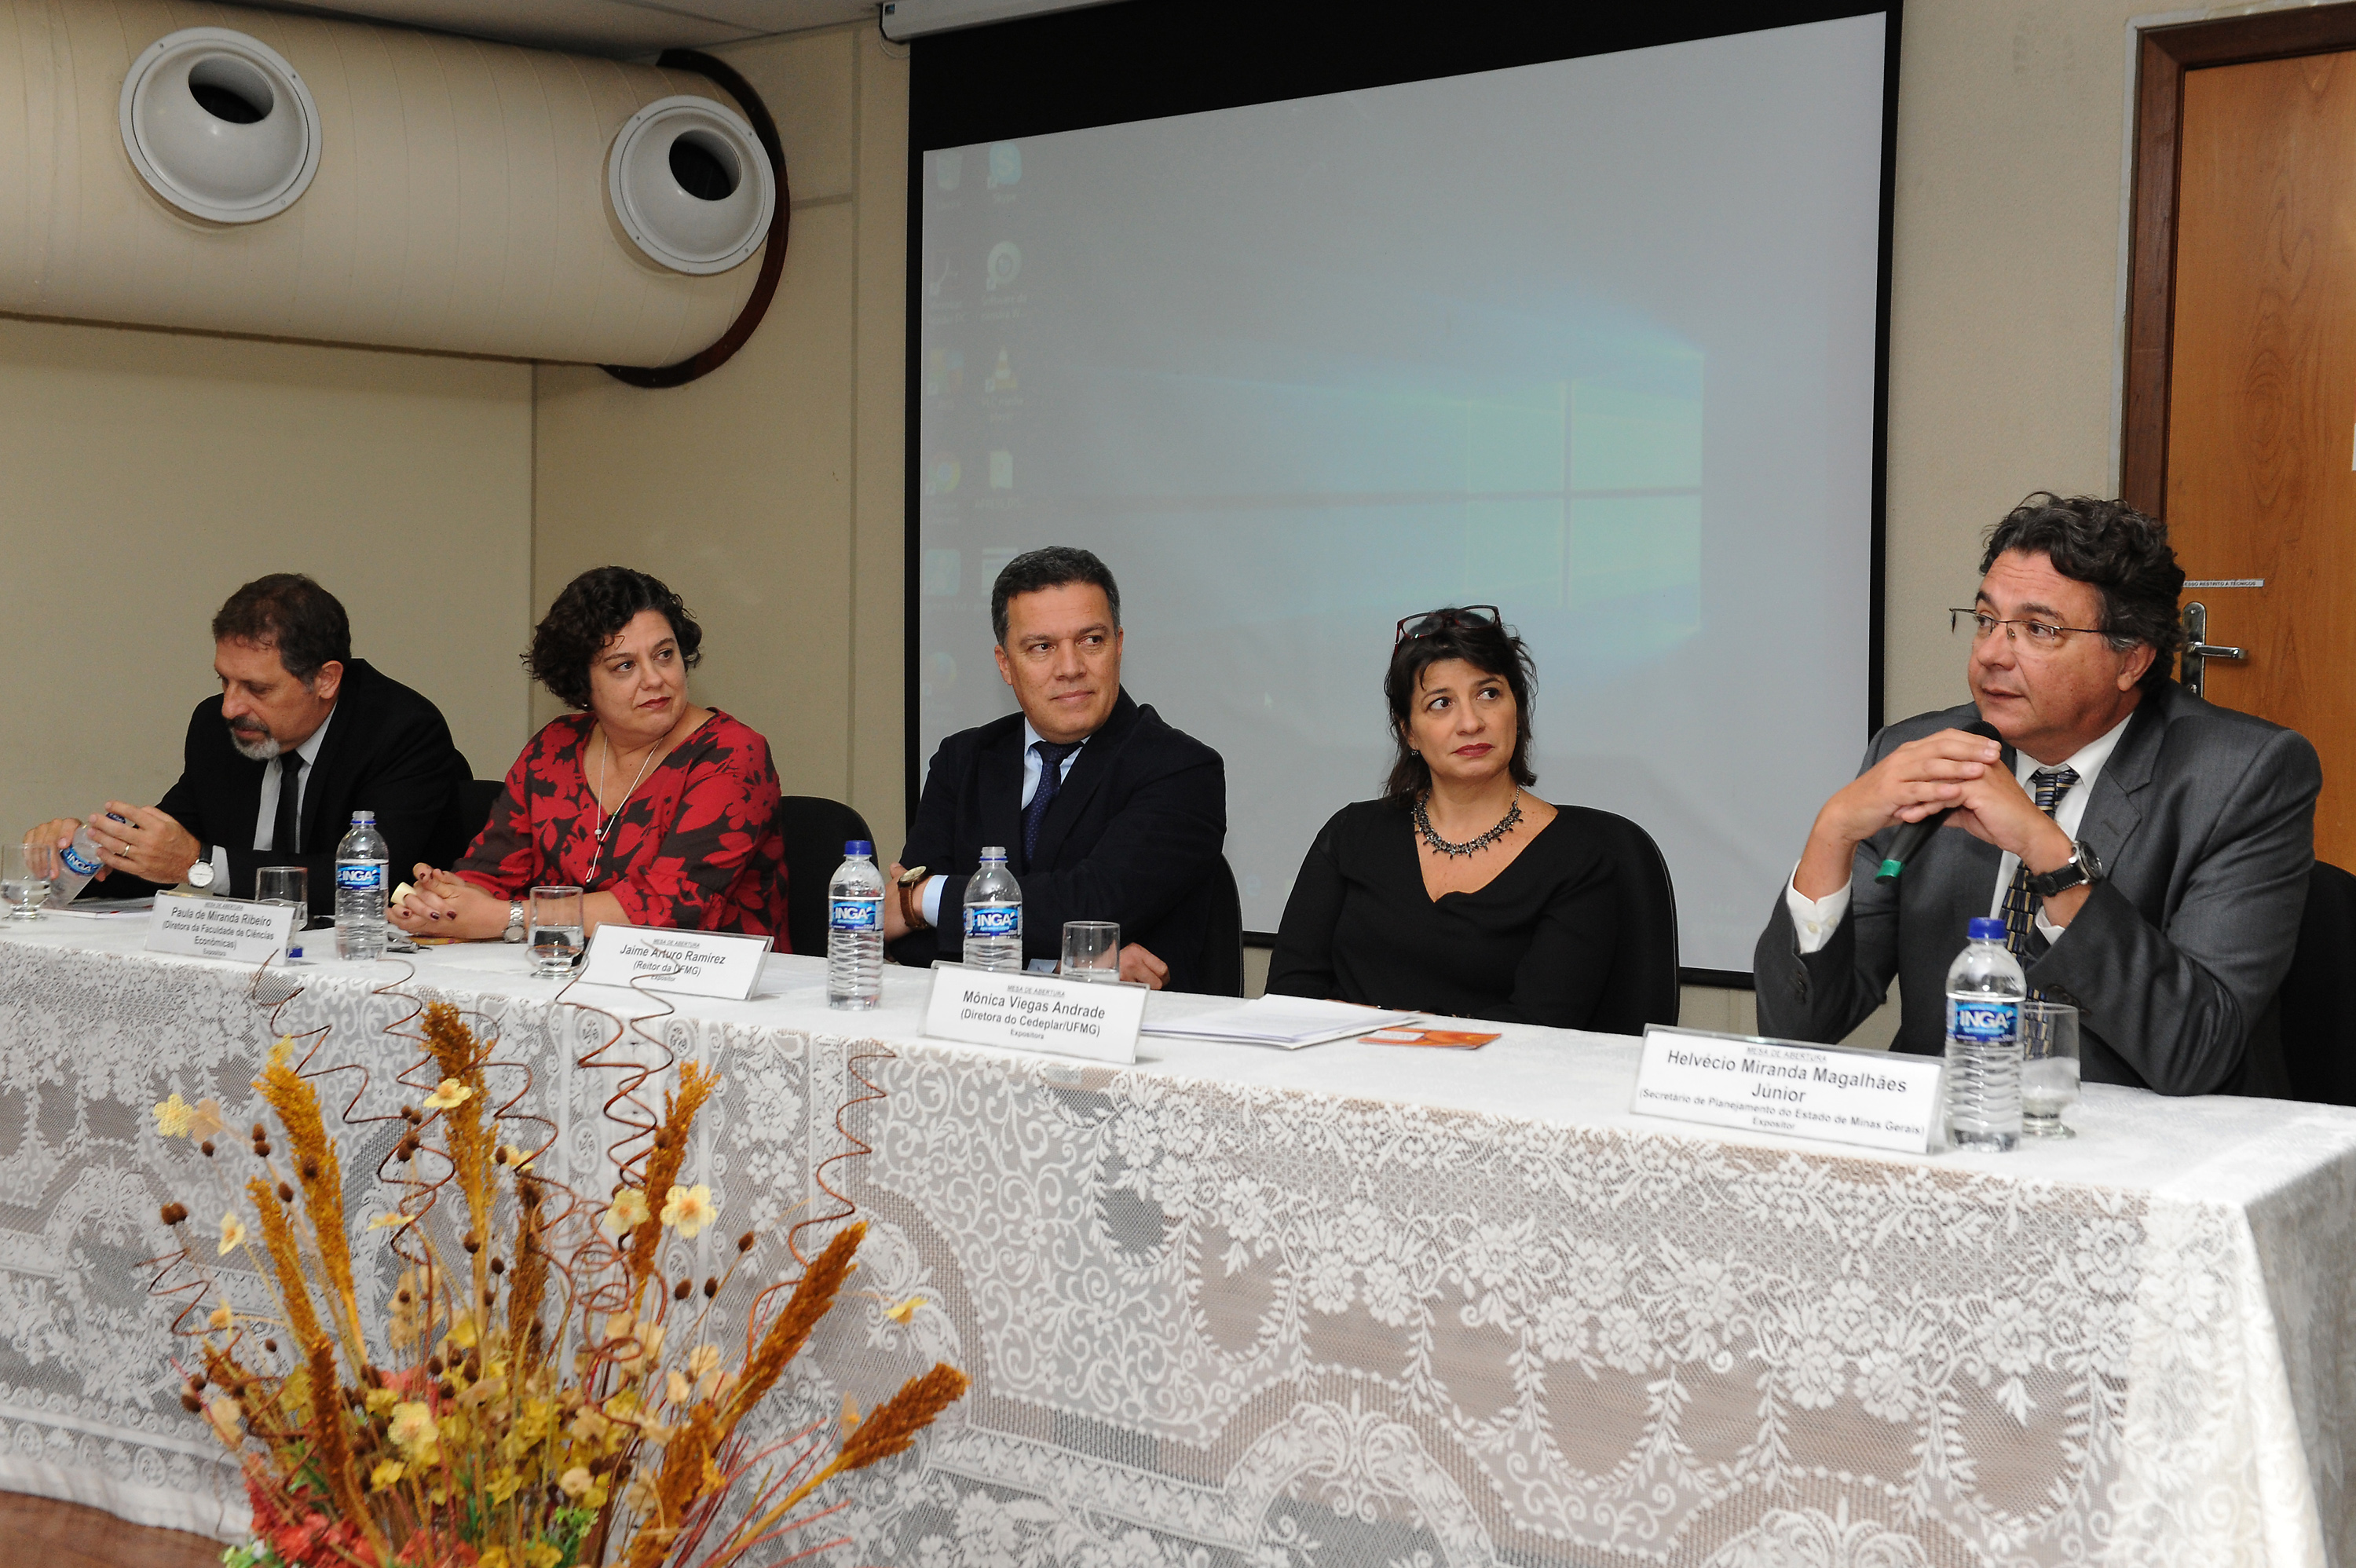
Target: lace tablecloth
column 1356, row 1307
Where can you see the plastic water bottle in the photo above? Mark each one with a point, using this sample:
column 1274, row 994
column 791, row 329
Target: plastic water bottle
column 993, row 916
column 361, row 889
column 79, row 861
column 1985, row 987
column 854, row 931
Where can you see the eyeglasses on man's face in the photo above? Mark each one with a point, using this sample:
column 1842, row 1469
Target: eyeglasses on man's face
column 2043, row 637
column 1432, row 621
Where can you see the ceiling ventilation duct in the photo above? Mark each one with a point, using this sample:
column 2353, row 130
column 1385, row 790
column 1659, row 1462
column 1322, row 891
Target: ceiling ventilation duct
column 219, row 126
column 445, row 193
column 691, row 185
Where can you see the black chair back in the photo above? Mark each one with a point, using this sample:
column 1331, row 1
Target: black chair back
column 815, row 830
column 1643, row 985
column 2317, row 1004
column 1223, row 936
column 477, row 800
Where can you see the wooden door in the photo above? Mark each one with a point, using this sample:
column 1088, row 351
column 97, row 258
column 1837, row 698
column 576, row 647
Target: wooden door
column 2261, row 456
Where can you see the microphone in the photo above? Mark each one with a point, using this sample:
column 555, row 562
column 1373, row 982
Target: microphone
column 1912, row 836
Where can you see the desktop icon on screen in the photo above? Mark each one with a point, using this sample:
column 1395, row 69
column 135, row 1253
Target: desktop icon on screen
column 1004, row 264
column 1001, row 469
column 942, row 478
column 949, row 168
column 1002, row 375
column 1005, row 164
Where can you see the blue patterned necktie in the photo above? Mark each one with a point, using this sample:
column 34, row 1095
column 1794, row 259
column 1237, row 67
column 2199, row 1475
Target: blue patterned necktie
column 1051, row 779
column 2051, row 784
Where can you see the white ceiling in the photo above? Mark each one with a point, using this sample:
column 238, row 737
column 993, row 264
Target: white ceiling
column 622, row 27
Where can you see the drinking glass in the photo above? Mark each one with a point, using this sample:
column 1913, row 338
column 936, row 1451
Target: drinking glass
column 25, row 876
column 556, row 943
column 2048, row 1067
column 289, row 886
column 1092, row 950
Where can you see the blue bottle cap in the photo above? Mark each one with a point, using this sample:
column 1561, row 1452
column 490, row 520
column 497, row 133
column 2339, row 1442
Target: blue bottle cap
column 1986, row 927
column 858, row 847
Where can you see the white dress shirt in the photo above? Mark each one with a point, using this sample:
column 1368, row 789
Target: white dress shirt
column 1032, row 769
column 265, row 825
column 1814, row 919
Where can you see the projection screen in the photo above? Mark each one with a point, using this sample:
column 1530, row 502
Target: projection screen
column 1597, row 339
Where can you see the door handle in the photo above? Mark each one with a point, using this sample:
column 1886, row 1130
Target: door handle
column 2200, row 650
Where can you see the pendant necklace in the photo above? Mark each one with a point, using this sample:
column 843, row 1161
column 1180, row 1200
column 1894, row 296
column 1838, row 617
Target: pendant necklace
column 1471, row 846
column 605, row 823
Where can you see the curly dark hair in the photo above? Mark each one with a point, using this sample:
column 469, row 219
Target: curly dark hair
column 1488, row 647
column 589, row 613
column 2122, row 553
column 290, row 613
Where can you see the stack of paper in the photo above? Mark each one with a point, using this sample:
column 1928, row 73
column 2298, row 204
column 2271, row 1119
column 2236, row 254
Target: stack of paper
column 104, row 909
column 1288, row 1021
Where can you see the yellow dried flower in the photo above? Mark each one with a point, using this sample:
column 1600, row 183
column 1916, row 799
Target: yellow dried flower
column 679, row 1389
column 449, row 1095
column 494, row 1557
column 221, row 1317
column 387, row 1221
column 902, row 1311
column 381, row 1400
column 519, row 1160
column 689, row 1210
column 541, row 1554
column 222, row 1413
column 414, row 1431
column 207, row 1119
column 588, row 1425
column 387, row 1473
column 625, row 1213
column 576, row 1481
column 703, row 1359
column 233, row 1233
column 174, row 1115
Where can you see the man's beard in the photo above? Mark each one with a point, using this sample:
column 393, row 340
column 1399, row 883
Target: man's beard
column 260, row 751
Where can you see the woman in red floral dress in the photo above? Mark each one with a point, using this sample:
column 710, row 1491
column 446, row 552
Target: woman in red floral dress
column 666, row 813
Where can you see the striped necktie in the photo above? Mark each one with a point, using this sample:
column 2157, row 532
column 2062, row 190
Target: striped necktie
column 2049, row 784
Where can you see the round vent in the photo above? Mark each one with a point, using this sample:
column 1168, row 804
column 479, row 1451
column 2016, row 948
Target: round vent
column 690, row 185
column 218, row 124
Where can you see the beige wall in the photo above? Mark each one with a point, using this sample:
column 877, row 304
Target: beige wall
column 144, row 475
column 769, row 494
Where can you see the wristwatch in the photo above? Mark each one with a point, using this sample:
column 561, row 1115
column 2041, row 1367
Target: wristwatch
column 2083, row 866
column 514, row 932
column 912, row 906
column 200, row 875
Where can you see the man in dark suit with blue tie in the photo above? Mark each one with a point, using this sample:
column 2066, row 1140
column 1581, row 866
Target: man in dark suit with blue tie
column 1105, row 811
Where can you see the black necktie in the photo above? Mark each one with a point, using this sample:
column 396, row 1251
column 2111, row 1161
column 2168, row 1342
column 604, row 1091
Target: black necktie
column 1051, row 779
column 288, row 828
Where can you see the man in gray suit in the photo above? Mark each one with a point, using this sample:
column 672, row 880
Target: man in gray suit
column 2148, row 852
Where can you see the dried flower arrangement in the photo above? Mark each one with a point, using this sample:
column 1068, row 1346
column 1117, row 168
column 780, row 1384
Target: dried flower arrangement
column 555, row 1402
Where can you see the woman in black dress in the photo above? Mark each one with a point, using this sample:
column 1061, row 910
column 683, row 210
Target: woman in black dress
column 1458, row 892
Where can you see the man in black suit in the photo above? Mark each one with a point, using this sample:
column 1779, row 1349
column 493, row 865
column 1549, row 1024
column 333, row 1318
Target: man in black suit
column 304, row 735
column 1105, row 811
column 2148, row 852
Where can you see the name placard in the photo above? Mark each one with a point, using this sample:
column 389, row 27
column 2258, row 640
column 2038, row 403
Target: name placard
column 1035, row 1012
column 689, row 963
column 1828, row 1091
column 233, row 928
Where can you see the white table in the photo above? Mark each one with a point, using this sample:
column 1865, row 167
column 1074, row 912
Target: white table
column 1353, row 1307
